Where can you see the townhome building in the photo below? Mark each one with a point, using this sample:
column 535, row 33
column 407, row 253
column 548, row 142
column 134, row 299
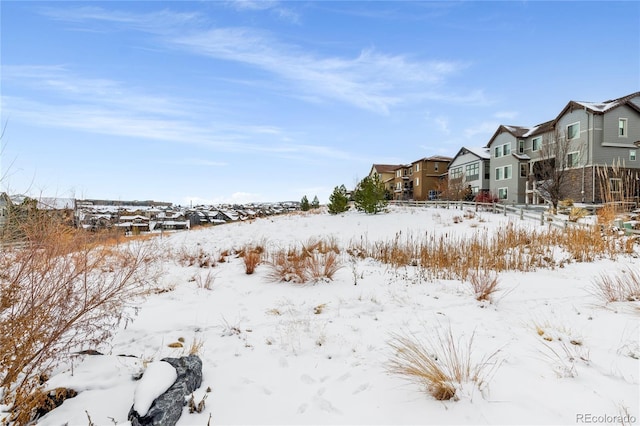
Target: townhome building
column 469, row 172
column 583, row 140
column 428, row 175
column 403, row 182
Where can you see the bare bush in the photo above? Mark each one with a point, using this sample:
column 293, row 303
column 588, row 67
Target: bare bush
column 441, row 366
column 60, row 291
column 484, row 284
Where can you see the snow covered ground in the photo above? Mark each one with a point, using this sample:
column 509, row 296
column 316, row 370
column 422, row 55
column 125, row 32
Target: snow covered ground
column 284, row 353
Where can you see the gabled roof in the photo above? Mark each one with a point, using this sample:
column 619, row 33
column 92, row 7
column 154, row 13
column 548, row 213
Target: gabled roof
column 602, row 107
column 480, row 152
column 516, row 131
column 540, row 128
column 434, row 158
column 385, row 168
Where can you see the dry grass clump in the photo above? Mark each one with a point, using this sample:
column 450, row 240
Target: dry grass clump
column 621, row 287
column 252, row 256
column 577, row 213
column 441, row 366
column 60, row 291
column 316, row 260
column 484, row 284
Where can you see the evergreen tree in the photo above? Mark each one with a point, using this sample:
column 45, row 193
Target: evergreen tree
column 369, row 195
column 315, row 203
column 338, row 200
column 304, row 204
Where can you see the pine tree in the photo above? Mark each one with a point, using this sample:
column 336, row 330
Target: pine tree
column 304, row 204
column 338, row 200
column 369, row 195
column 315, row 203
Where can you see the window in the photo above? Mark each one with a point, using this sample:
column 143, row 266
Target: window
column 502, row 193
column 506, row 149
column 524, row 170
column 399, row 186
column 521, row 146
column 632, row 155
column 417, row 181
column 475, row 189
column 572, row 159
column 497, row 151
column 622, row 127
column 503, row 172
column 615, row 185
column 435, row 166
column 573, row 131
column 398, row 173
column 536, row 143
column 455, row 173
column 472, row 171
column 417, row 167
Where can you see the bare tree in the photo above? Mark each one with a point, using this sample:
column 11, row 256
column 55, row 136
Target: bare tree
column 552, row 167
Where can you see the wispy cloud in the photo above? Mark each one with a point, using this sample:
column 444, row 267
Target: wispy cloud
column 108, row 107
column 370, row 80
column 275, row 7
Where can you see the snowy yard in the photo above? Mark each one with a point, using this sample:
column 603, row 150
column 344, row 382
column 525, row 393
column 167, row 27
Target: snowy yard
column 318, row 353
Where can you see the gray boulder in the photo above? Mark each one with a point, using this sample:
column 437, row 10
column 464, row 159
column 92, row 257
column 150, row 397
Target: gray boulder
column 167, row 408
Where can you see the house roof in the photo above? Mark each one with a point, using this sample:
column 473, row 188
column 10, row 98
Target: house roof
column 516, row 131
column 385, row 168
column 603, row 107
column 480, row 152
column 434, row 158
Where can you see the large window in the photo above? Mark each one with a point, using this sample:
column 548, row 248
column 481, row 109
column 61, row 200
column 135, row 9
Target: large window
column 572, row 159
column 622, row 127
column 501, row 150
column 455, row 173
column 536, row 143
column 632, row 155
column 503, row 172
column 472, row 171
column 573, row 130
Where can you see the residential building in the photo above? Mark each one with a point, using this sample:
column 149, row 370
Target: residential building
column 594, row 136
column 403, row 182
column 469, row 171
column 427, row 177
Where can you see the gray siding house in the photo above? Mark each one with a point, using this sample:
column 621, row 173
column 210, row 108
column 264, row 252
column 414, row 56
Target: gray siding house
column 470, row 168
column 596, row 136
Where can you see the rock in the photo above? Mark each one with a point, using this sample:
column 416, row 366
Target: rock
column 167, row 408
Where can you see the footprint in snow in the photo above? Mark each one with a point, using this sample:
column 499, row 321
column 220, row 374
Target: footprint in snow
column 361, row 388
column 307, row 379
column 302, row 408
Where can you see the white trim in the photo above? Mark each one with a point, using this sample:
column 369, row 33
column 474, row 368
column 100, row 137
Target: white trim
column 617, row 145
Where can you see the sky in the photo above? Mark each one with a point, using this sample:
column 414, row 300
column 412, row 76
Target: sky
column 208, row 102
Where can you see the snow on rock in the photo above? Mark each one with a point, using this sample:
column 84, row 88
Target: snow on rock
column 157, row 378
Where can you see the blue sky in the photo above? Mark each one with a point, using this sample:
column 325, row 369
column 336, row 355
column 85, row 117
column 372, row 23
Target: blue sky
column 240, row 101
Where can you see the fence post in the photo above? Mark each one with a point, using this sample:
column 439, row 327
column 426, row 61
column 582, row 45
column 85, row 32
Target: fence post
column 505, row 209
column 521, row 213
column 542, row 217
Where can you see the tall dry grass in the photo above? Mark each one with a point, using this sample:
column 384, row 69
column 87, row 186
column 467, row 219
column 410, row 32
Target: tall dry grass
column 508, row 249
column 60, row 291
